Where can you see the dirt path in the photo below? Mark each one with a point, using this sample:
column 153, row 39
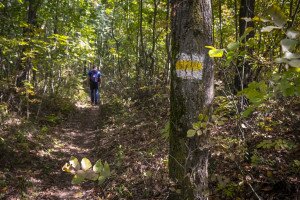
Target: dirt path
column 37, row 174
column 126, row 136
column 76, row 137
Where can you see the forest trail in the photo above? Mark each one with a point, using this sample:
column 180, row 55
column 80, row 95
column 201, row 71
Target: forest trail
column 123, row 134
column 38, row 174
column 76, row 137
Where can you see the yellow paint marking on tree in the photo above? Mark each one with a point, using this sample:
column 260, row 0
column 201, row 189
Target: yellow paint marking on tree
column 189, row 65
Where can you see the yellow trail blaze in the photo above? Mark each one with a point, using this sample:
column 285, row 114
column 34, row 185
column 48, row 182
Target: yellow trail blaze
column 189, row 65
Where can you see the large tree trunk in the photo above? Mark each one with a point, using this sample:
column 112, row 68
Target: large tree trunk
column 191, row 94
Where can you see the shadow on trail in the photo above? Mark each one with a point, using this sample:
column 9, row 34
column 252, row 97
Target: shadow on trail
column 126, row 135
column 35, row 172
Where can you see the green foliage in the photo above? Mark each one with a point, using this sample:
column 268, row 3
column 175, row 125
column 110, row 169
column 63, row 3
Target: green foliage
column 225, row 186
column 53, row 119
column 287, row 83
column 256, row 93
column 120, row 155
column 3, row 111
column 289, row 44
column 200, row 127
column 277, row 16
column 86, row 171
column 296, row 166
column 255, row 158
column 165, row 132
column 279, row 144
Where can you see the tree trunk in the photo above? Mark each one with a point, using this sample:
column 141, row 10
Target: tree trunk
column 152, row 65
column 191, row 95
column 24, row 67
column 244, row 76
column 236, row 20
column 168, row 47
column 220, row 24
column 142, row 57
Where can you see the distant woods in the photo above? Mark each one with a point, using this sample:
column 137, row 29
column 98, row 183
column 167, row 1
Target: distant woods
column 48, row 44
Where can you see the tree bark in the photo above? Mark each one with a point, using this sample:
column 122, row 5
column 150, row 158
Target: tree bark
column 236, row 20
column 191, row 94
column 244, row 75
column 25, row 67
column 152, row 65
column 168, row 47
column 142, row 57
column 220, row 24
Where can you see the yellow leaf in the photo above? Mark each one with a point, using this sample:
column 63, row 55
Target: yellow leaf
column 216, row 53
column 74, row 162
column 210, row 47
column 86, row 164
column 67, row 168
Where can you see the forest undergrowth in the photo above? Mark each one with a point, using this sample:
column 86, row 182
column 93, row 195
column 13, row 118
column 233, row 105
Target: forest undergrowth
column 250, row 157
column 256, row 157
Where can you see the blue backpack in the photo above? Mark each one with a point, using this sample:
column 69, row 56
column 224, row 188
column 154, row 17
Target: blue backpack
column 94, row 76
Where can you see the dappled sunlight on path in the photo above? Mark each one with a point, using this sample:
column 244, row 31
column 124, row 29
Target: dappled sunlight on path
column 38, row 172
column 125, row 136
column 75, row 137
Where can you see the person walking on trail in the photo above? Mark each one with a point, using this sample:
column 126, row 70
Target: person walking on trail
column 94, row 76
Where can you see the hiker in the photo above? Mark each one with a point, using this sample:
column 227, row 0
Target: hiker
column 94, row 76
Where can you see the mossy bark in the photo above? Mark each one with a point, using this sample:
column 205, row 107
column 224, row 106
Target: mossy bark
column 188, row 157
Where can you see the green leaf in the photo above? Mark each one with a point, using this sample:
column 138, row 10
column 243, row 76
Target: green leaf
column 78, row 177
column 247, row 112
column 86, row 164
column 101, row 179
column 288, row 44
column 106, row 170
column 216, row 53
column 292, row 34
column 201, row 117
column 74, row 163
column 91, row 175
column 98, row 167
column 23, row 43
column 191, row 133
column 166, row 131
column 290, row 55
column 277, row 15
column 269, row 28
column 233, row 45
column 259, row 19
column 281, row 60
column 196, row 125
column 220, row 123
column 295, row 63
column 247, row 31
